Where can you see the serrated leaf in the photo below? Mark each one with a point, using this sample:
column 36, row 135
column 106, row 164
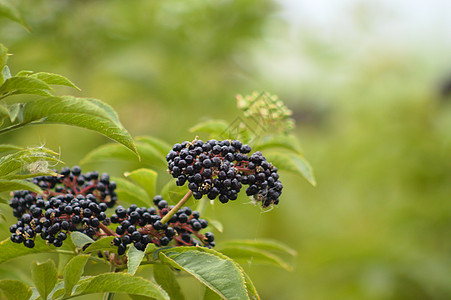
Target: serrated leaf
column 73, row 271
column 22, row 160
column 120, row 283
column 10, row 250
column 215, row 270
column 145, row 178
column 173, row 193
column 150, row 156
column 87, row 113
column 288, row 142
column 54, row 79
column 44, row 276
column 10, row 12
column 129, row 192
column 16, row 184
column 158, row 144
column 212, row 126
column 103, row 244
column 80, row 239
column 165, row 277
column 292, row 163
column 23, row 85
column 15, row 290
column 134, row 259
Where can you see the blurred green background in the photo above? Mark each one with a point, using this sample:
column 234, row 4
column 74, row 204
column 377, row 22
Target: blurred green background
column 369, row 85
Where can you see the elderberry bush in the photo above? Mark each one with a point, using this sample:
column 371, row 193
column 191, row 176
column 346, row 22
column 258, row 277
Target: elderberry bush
column 141, row 226
column 218, row 169
column 71, row 201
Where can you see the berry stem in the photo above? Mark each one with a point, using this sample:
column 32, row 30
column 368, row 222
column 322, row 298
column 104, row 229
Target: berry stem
column 176, row 208
column 107, row 230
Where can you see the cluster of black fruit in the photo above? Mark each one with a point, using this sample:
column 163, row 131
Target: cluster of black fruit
column 219, row 168
column 141, row 226
column 71, row 201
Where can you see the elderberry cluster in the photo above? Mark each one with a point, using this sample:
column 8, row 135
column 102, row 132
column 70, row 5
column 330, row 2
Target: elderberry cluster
column 220, row 168
column 79, row 204
column 141, row 226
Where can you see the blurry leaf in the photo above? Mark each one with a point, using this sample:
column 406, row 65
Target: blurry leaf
column 129, row 192
column 10, row 250
column 4, row 200
column 44, row 276
column 20, row 160
column 210, row 295
column 63, row 259
column 16, row 112
column 254, row 255
column 173, row 193
column 4, row 113
column 146, row 178
column 134, row 258
column 215, row 270
column 58, row 291
column 165, row 277
column 15, row 290
column 73, row 271
column 31, row 175
column 263, row 244
column 158, row 144
column 10, row 12
column 215, row 224
column 6, row 147
column 15, row 184
column 215, row 127
column 292, row 163
column 23, row 73
column 103, row 244
column 80, row 239
column 54, row 79
column 120, row 283
column 288, row 142
column 5, row 74
column 251, row 290
column 3, row 56
column 82, row 112
column 149, row 155
column 24, row 85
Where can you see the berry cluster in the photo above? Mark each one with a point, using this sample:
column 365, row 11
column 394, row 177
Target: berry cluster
column 141, row 226
column 71, row 201
column 220, row 168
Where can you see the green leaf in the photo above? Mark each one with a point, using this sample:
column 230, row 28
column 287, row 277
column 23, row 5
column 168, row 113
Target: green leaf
column 210, row 295
column 16, row 184
column 73, row 271
column 5, row 74
column 44, row 276
column 24, row 73
column 173, row 193
column 216, row 271
column 24, row 85
column 215, row 127
column 16, row 112
column 103, row 244
column 3, row 57
column 158, row 144
column 10, row 250
column 7, row 147
column 15, row 290
column 87, row 113
column 292, row 163
column 80, row 239
column 54, row 79
column 263, row 244
column 120, row 283
column 25, row 159
column 129, row 192
column 134, row 258
column 145, row 178
column 10, row 12
column 165, row 277
column 288, row 142
column 215, row 224
column 4, row 113
column 150, row 156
